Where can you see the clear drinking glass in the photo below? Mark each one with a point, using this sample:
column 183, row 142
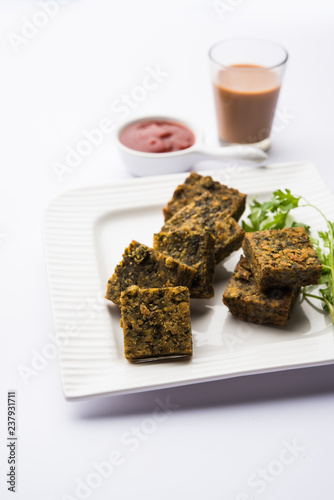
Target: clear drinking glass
column 247, row 76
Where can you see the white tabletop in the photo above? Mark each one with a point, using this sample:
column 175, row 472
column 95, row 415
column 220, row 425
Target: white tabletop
column 66, row 66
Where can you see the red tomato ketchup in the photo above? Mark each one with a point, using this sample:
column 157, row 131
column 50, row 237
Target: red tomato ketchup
column 157, row 136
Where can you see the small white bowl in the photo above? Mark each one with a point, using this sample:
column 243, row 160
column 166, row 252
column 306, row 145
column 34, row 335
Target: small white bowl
column 141, row 163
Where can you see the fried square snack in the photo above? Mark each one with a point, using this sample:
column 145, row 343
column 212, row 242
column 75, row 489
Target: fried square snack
column 195, row 249
column 195, row 185
column 147, row 268
column 248, row 302
column 156, row 323
column 206, row 214
column 282, row 257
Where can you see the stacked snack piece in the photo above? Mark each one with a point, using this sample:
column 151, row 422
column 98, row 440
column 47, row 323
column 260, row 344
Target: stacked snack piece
column 147, row 268
column 156, row 322
column 152, row 291
column 266, row 282
column 230, row 200
column 206, row 214
column 196, row 249
column 153, row 286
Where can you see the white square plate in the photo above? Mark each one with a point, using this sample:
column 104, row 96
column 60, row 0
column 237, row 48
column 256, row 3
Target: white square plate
column 85, row 233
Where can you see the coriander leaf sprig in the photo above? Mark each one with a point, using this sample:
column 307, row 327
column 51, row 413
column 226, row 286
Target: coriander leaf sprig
column 272, row 214
column 325, row 252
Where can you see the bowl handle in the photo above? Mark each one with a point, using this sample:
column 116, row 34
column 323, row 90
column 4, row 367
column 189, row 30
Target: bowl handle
column 238, row 152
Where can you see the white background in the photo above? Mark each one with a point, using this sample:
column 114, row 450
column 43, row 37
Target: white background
column 64, row 80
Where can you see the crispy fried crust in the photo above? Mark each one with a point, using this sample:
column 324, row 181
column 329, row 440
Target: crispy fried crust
column 147, row 268
column 282, row 257
column 248, row 302
column 156, row 323
column 196, row 250
column 206, row 214
column 195, row 185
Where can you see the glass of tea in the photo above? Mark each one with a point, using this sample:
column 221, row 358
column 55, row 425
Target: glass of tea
column 247, row 76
